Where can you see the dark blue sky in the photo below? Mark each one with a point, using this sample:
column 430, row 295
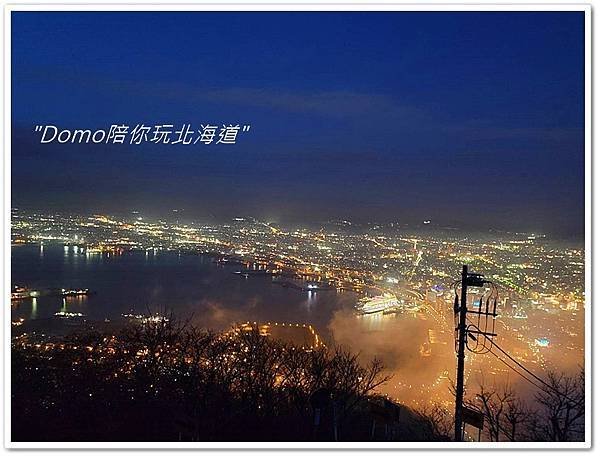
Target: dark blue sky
column 469, row 119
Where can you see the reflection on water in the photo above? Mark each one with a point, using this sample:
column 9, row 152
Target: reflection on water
column 189, row 285
column 34, row 308
column 376, row 322
column 373, row 322
column 311, row 298
column 194, row 286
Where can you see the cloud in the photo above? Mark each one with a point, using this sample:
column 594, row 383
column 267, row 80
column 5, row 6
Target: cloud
column 334, row 102
column 372, row 108
column 326, row 103
column 397, row 341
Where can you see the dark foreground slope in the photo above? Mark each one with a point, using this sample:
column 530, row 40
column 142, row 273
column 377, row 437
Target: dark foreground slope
column 163, row 382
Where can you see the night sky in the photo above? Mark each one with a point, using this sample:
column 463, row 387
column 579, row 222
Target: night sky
column 474, row 120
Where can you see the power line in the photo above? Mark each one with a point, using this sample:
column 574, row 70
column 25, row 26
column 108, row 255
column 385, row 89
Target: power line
column 548, row 386
column 464, row 332
column 515, row 370
column 507, row 364
column 522, row 366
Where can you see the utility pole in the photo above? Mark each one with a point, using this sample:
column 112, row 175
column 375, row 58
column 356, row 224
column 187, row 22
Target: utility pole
column 481, row 334
column 460, row 367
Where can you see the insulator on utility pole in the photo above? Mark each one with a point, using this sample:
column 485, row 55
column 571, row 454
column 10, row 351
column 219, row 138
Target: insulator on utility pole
column 480, row 333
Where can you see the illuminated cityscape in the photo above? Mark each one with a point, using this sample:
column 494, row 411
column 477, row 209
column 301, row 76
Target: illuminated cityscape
column 536, row 274
column 321, row 226
column 541, row 301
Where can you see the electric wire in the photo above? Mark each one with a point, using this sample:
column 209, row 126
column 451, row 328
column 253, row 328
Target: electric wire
column 544, row 383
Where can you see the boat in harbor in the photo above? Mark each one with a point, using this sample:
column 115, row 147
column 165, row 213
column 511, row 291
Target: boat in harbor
column 385, row 303
column 22, row 293
column 255, row 272
column 228, row 260
column 312, row 286
column 68, row 315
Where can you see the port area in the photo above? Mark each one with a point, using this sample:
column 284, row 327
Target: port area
column 281, row 276
column 301, row 335
column 23, row 293
column 59, row 326
column 298, row 284
column 65, row 323
column 286, row 279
